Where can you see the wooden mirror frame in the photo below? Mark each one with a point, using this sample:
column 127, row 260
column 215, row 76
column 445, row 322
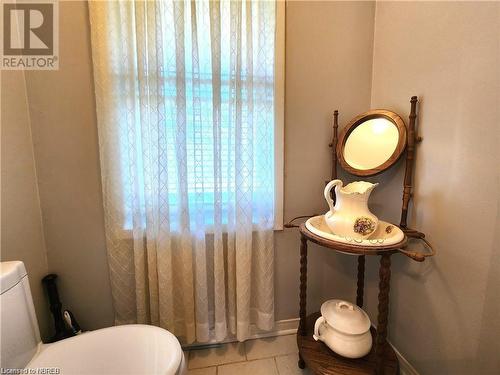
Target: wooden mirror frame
column 394, row 118
column 411, row 139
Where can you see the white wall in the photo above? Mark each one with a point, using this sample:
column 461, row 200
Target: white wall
column 445, row 312
column 328, row 67
column 63, row 121
column 22, row 232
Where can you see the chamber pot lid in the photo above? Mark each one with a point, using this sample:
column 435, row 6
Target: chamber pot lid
column 345, row 317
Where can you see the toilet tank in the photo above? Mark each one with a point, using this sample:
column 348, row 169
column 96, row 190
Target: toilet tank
column 19, row 332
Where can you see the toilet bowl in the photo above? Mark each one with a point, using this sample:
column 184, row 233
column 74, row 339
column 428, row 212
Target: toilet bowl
column 128, row 349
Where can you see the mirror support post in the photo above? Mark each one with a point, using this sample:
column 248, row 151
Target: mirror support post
column 410, row 157
column 333, row 144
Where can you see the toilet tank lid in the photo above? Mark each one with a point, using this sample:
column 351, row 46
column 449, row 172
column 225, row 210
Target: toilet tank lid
column 10, row 274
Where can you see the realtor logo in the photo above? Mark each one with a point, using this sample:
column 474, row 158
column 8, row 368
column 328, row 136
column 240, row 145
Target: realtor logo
column 30, row 35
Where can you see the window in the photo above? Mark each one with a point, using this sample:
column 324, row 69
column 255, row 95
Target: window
column 194, row 122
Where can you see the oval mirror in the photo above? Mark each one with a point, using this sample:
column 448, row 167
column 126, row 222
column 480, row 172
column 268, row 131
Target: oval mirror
column 372, row 142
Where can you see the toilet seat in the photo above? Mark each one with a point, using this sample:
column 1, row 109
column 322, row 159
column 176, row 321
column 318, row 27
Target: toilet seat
column 128, row 349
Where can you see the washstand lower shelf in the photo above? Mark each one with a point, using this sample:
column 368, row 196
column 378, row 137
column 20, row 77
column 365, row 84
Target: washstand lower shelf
column 321, row 360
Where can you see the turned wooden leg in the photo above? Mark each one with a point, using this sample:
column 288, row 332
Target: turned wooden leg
column 383, row 311
column 361, row 281
column 303, row 285
column 301, row 362
column 303, row 293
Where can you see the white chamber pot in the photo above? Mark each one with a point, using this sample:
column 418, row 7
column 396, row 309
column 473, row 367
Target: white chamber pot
column 344, row 328
column 125, row 350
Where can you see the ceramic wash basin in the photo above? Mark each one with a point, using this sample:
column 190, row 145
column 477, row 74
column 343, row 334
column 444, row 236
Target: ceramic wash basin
column 386, row 233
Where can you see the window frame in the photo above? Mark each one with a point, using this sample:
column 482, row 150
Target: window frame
column 279, row 113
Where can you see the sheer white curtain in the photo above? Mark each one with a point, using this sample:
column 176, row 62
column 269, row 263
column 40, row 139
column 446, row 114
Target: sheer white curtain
column 185, row 108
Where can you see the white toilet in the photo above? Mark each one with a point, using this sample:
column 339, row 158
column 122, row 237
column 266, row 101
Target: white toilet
column 129, row 349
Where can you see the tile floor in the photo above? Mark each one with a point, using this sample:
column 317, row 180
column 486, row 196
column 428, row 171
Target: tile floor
column 268, row 356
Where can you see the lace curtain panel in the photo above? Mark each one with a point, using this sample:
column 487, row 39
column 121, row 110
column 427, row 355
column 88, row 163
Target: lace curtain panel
column 185, row 109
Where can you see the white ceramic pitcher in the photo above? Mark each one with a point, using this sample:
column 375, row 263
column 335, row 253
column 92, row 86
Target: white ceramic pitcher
column 350, row 217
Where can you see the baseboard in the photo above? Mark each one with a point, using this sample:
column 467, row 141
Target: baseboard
column 288, row 327
column 405, row 368
column 281, row 328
